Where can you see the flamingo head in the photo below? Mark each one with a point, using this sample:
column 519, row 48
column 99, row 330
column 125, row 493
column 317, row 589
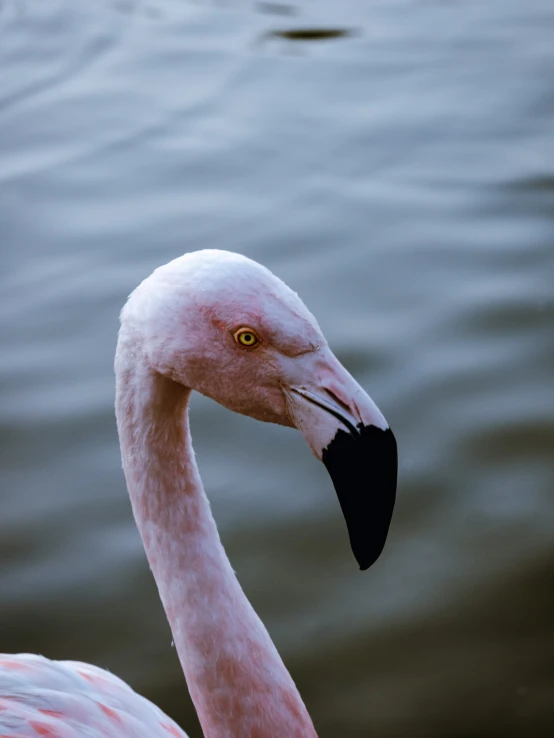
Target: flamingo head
column 222, row 324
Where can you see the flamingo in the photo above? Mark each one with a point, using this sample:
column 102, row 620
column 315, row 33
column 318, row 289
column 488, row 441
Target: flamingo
column 223, row 325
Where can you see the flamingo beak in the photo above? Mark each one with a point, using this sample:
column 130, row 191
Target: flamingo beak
column 345, row 429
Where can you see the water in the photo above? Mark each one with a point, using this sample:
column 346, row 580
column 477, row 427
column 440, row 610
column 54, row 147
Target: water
column 401, row 178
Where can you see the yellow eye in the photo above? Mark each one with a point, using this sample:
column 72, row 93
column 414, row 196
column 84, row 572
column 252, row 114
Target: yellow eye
column 247, row 337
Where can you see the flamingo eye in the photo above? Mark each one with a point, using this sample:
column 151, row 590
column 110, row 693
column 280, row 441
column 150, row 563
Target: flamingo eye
column 247, row 337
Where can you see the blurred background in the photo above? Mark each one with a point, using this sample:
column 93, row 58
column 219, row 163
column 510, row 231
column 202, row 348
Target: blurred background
column 393, row 161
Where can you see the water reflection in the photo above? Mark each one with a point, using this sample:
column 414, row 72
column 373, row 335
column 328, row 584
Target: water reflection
column 311, row 34
column 276, row 8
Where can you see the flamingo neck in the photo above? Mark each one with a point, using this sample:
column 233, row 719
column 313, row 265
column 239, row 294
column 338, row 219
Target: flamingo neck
column 236, row 678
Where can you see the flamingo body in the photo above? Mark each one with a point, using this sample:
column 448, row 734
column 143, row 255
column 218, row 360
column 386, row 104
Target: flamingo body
column 184, row 329
column 71, row 699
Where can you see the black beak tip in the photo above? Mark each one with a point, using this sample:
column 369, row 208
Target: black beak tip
column 366, row 562
column 364, row 468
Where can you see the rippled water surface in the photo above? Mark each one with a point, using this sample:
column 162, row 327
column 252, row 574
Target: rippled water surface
column 393, row 161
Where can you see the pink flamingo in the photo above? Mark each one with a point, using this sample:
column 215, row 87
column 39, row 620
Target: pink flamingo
column 225, row 326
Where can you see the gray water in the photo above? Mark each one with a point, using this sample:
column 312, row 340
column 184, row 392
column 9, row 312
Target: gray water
column 400, row 177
